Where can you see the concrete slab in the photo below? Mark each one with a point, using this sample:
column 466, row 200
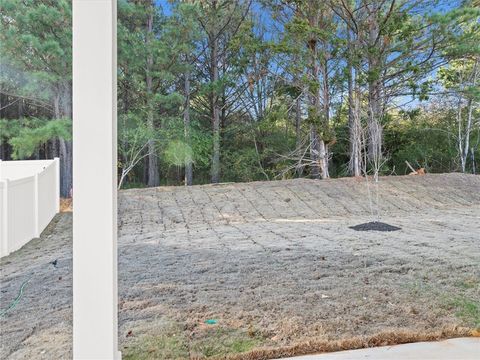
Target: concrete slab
column 452, row 349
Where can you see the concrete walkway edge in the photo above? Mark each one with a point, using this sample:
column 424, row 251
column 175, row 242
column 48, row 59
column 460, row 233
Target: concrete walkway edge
column 451, row 349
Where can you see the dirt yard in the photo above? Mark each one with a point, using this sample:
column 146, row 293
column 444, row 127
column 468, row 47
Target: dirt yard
column 264, row 270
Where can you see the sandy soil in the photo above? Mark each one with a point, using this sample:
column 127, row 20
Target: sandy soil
column 274, row 264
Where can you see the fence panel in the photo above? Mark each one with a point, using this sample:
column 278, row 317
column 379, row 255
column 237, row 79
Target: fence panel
column 19, row 169
column 47, row 206
column 21, row 212
column 3, row 218
column 29, row 199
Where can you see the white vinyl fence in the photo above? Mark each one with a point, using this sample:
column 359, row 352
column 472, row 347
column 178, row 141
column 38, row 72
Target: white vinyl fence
column 29, row 199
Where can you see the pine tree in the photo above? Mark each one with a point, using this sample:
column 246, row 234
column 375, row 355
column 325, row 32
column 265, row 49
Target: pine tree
column 220, row 21
column 36, row 35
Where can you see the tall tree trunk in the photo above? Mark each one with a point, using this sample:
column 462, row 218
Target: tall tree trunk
column 314, row 112
column 468, row 128
column 375, row 108
column 460, row 132
column 53, row 148
column 314, row 152
column 358, row 133
column 186, row 124
column 66, row 153
column 298, row 124
column 215, row 111
column 472, row 156
column 153, row 171
column 318, row 147
column 62, row 148
column 65, row 167
column 145, row 170
column 354, row 126
column 298, row 120
column 20, row 109
column 56, row 104
column 324, row 173
column 314, row 144
column 375, row 128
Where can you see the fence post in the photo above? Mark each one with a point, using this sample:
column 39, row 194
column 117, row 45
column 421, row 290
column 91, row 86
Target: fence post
column 36, row 205
column 95, row 295
column 4, row 234
column 57, row 184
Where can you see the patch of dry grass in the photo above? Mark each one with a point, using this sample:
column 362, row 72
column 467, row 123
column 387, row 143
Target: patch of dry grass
column 232, row 344
column 380, row 339
column 66, row 205
column 171, row 343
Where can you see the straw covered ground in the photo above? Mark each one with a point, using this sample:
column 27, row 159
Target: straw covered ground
column 264, row 270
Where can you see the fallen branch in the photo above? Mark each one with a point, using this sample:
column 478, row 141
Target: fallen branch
column 420, row 171
column 410, row 166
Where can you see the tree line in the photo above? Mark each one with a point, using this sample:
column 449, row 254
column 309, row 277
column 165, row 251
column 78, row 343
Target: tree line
column 243, row 90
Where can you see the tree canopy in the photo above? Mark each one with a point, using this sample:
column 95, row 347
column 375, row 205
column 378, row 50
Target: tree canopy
column 244, row 90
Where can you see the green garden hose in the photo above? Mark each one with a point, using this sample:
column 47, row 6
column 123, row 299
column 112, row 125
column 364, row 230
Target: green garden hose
column 17, row 299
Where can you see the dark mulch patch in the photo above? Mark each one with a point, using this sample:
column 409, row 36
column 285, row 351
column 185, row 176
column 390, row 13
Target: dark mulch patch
column 374, row 226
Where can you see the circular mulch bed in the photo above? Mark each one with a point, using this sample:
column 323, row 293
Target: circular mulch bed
column 374, row 226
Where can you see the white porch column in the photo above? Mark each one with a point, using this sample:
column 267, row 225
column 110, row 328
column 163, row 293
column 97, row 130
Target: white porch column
column 95, row 333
